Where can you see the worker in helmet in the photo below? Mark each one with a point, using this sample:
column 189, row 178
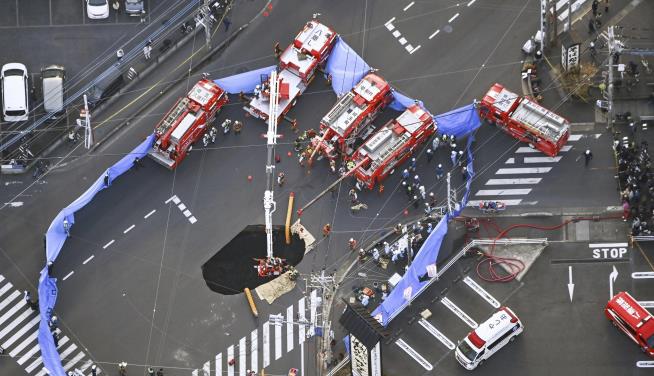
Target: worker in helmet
column 439, row 171
column 205, row 140
column 352, row 243
column 213, row 132
column 257, row 91
column 405, row 174
column 281, row 179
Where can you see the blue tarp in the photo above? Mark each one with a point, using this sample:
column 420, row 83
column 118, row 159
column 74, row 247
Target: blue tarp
column 54, row 242
column 345, row 66
column 401, row 101
column 458, row 122
column 244, row 82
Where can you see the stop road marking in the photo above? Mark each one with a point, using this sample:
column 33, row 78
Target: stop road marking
column 608, row 250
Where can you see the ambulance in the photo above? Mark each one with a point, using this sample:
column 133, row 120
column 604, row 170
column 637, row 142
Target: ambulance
column 634, row 320
column 490, row 336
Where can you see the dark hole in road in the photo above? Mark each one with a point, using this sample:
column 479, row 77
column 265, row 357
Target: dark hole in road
column 232, row 268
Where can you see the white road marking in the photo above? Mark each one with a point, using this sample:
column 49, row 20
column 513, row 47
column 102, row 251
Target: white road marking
column 390, row 26
column 475, row 203
column 312, row 312
column 254, row 354
column 542, row 159
column 266, row 343
column 607, row 245
column 527, row 149
column 69, row 350
column 34, row 364
column 192, row 219
column 278, row 340
column 219, row 365
column 510, row 161
column 302, row 318
column 645, row 364
column 436, row 333
column 10, row 341
column 574, row 137
column 515, row 181
column 24, row 344
column 390, row 21
column 20, row 304
column 530, row 170
column 414, row 354
column 435, row 33
column 242, row 361
column 636, row 275
column 230, row 356
column 186, row 213
column 5, row 288
column 459, row 312
column 503, row 192
column 14, row 204
column 408, row 47
column 108, row 244
column 397, row 33
column 408, row 6
column 289, row 328
column 181, row 207
column 453, row 18
column 176, row 200
column 29, row 354
column 88, row 259
column 170, row 199
column 415, row 49
column 68, row 275
column 470, row 3
column 150, row 213
column 129, row 229
column 647, row 304
column 402, row 41
column 597, row 135
column 76, row 359
column 206, row 369
column 483, row 293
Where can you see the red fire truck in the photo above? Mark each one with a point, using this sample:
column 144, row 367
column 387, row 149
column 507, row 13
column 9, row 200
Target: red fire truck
column 634, row 320
column 297, row 68
column 348, row 120
column 392, row 144
column 186, row 123
column 524, row 119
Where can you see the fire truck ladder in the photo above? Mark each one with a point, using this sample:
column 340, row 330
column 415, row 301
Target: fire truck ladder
column 269, row 204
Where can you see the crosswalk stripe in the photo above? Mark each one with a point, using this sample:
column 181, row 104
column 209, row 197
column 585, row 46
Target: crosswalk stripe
column 574, row 137
column 21, row 332
column 414, row 354
column 542, row 159
column 503, row 192
column 289, row 328
column 7, row 301
column 510, row 161
column 28, row 354
column 74, row 361
column 24, row 344
column 2, row 278
column 230, row 355
column 529, row 170
column 302, row 317
column 42, row 372
column 15, row 323
column 34, row 364
column 219, row 364
column 265, row 333
column 526, row 149
column 483, row 293
column 206, row 369
column 313, row 311
column 62, row 342
column 69, row 350
column 278, row 340
column 475, row 203
column 459, row 313
column 254, row 354
column 437, row 333
column 5, row 288
column 242, row 360
column 86, row 365
column 516, row 181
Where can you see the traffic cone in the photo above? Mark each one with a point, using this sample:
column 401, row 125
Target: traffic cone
column 249, row 177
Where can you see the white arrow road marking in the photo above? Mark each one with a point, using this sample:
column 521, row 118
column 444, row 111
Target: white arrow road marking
column 483, row 293
column 642, row 275
column 612, row 277
column 571, row 286
column 459, row 312
column 436, row 333
column 414, row 354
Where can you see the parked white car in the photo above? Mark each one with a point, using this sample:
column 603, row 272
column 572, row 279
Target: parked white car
column 97, row 9
column 15, row 101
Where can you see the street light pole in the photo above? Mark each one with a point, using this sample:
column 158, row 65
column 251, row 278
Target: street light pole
column 609, row 98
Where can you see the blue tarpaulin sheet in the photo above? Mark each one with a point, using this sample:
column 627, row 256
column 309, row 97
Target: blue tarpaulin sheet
column 54, row 242
column 401, row 101
column 345, row 66
column 458, row 122
column 244, row 82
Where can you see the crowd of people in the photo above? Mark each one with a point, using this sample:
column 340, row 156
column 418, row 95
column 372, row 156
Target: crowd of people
column 636, row 176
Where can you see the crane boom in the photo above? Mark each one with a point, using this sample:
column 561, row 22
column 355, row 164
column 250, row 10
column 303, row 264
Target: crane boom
column 269, row 204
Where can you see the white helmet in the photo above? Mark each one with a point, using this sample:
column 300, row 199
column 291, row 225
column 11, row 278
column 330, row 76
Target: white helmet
column 587, row 151
column 405, row 170
column 440, row 165
column 460, row 152
column 413, row 159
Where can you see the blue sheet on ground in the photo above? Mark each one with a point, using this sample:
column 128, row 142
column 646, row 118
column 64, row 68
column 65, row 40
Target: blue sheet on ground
column 401, row 102
column 244, row 82
column 345, row 66
column 458, row 122
column 54, row 242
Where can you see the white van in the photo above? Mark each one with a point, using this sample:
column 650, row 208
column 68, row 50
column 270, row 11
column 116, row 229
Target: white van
column 15, row 103
column 53, row 77
column 490, row 336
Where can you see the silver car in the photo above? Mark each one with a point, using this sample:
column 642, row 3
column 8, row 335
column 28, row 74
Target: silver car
column 134, row 7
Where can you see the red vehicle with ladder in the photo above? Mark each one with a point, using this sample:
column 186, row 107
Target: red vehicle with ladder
column 524, row 119
column 186, row 123
column 348, row 120
column 392, row 144
column 633, row 319
column 297, row 68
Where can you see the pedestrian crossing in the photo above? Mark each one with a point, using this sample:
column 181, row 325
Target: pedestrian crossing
column 268, row 343
column 523, row 169
column 19, row 326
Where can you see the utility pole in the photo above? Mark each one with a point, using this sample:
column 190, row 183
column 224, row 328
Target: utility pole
column 543, row 27
column 451, row 196
column 86, row 119
column 326, row 284
column 609, row 93
column 569, row 23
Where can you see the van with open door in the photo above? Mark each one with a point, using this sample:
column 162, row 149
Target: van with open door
column 490, row 336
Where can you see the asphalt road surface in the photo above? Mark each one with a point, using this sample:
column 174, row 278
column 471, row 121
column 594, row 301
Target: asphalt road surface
column 136, row 292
